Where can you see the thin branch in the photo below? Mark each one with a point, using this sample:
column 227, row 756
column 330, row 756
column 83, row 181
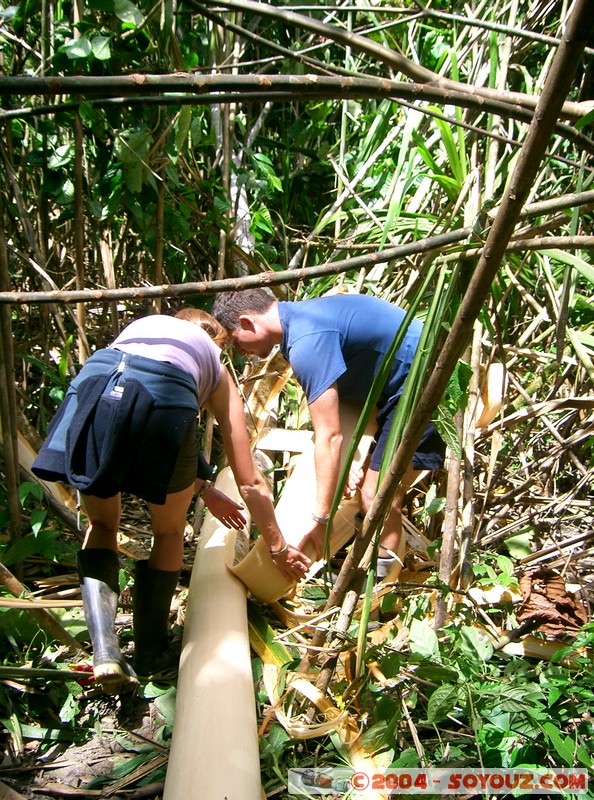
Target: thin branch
column 423, row 11
column 274, row 278
column 384, row 55
column 270, row 278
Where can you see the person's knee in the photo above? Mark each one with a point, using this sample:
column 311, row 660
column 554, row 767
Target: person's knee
column 169, row 531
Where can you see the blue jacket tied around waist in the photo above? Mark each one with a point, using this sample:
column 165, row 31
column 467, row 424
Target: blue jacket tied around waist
column 119, row 427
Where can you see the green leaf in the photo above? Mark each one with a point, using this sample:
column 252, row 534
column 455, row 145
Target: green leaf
column 433, row 503
column 520, row 544
column 64, row 194
column 77, row 48
column 583, row 756
column 436, row 673
column 505, row 565
column 588, row 119
column 262, row 221
column 262, row 639
column 564, row 746
column 442, row 703
column 128, row 765
column 165, row 704
column 407, row 758
column 475, row 644
column 128, row 12
column 182, row 127
column 101, row 47
column 28, row 488
column 61, row 156
column 444, row 424
column 277, row 738
column 132, row 148
column 70, row 709
column 38, row 516
column 47, row 734
column 423, row 640
column 586, row 270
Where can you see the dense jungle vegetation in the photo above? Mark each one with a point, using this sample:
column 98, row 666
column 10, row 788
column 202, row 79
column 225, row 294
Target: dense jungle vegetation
column 155, row 154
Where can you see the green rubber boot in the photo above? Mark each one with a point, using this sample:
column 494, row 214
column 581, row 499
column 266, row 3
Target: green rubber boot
column 98, row 570
column 154, row 656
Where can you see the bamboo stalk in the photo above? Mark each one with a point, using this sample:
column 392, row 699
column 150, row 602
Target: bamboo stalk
column 17, row 602
column 79, row 236
column 27, row 673
column 450, row 526
column 341, row 627
column 106, row 252
column 217, row 88
column 159, row 241
column 6, row 793
column 8, row 405
column 269, row 278
column 383, row 55
column 273, row 278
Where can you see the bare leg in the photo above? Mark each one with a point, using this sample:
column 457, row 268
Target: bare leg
column 104, row 521
column 169, row 522
column 391, row 536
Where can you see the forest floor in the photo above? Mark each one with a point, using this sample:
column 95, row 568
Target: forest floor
column 127, row 737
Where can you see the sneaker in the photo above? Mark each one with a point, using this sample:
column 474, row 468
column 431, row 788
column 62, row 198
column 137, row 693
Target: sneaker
column 385, row 564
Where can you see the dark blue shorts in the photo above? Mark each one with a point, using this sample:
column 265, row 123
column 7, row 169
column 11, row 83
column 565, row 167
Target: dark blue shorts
column 430, row 452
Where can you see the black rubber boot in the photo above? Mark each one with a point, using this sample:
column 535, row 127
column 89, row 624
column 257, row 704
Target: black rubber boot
column 98, row 571
column 154, row 656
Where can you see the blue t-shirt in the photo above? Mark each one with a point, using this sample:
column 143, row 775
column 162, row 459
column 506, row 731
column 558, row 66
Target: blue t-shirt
column 343, row 339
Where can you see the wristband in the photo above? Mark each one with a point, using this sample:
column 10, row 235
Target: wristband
column 206, row 485
column 280, row 552
column 321, row 520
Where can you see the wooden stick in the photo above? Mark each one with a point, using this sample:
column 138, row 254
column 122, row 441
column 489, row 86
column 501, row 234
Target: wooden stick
column 47, row 621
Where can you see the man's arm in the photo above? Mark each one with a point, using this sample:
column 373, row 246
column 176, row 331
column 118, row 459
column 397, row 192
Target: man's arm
column 325, row 417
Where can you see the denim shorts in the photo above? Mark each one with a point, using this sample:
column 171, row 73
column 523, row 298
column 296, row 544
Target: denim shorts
column 430, row 452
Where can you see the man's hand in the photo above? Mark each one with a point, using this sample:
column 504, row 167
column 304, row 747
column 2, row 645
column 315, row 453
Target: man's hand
column 223, row 508
column 313, row 541
column 354, row 481
column 292, row 563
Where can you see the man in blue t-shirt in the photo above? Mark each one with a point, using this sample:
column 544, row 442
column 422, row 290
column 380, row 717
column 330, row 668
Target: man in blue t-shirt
column 335, row 346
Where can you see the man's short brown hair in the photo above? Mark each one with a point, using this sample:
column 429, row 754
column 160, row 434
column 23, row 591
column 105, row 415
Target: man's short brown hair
column 229, row 306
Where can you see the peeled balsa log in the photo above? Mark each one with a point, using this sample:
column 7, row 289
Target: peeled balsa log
column 214, row 751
